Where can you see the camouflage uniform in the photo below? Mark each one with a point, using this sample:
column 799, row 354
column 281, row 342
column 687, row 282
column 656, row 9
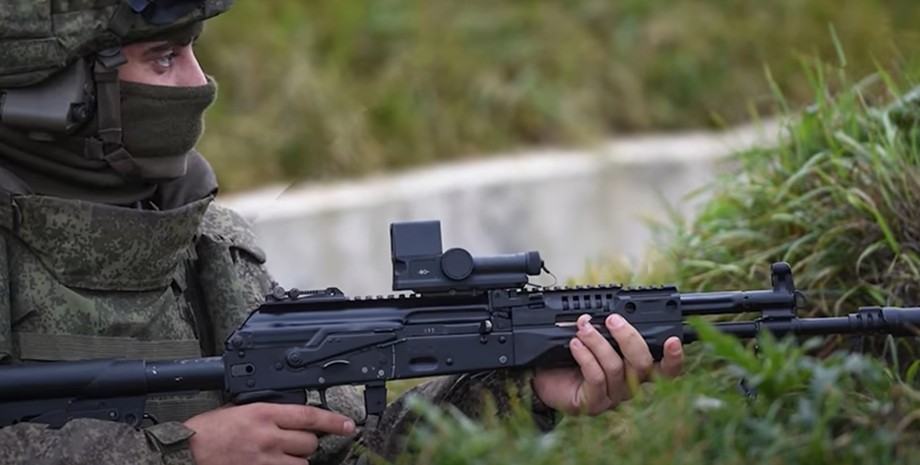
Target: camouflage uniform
column 84, row 300
column 82, row 279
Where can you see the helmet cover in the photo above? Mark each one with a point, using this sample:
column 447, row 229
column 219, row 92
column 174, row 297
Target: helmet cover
column 41, row 37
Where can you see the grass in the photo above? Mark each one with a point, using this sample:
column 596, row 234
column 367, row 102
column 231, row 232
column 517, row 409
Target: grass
column 837, row 199
column 324, row 89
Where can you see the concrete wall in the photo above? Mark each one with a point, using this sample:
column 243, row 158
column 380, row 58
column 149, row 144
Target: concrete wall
column 572, row 206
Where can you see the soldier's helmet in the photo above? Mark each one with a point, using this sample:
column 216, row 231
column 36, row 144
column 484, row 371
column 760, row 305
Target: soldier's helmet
column 59, row 59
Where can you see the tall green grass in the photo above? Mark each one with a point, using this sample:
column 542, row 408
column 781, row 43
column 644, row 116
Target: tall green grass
column 325, row 88
column 837, row 198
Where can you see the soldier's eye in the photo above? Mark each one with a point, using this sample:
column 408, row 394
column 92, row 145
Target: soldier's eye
column 166, row 61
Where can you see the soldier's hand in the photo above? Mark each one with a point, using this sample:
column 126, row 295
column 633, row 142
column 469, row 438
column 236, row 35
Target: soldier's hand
column 602, row 379
column 262, row 433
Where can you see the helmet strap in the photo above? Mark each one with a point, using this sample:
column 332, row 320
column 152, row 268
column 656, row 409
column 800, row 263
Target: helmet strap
column 109, row 145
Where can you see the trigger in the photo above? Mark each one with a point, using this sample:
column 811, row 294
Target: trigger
column 322, row 399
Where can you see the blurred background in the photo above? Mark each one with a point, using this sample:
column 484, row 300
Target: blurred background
column 324, row 88
column 314, row 94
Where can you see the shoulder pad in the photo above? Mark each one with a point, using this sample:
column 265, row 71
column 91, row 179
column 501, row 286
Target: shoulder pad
column 224, row 225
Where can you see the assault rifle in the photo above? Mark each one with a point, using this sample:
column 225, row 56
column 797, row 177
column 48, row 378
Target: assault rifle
column 462, row 314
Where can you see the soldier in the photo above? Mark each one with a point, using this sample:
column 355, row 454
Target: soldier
column 111, row 247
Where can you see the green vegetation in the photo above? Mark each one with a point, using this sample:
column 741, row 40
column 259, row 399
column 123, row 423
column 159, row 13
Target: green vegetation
column 330, row 88
column 838, row 200
column 341, row 88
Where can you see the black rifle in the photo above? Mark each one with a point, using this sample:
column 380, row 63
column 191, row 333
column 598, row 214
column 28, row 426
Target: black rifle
column 464, row 314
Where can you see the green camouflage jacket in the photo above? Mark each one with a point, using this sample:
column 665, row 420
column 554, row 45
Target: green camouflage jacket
column 86, row 280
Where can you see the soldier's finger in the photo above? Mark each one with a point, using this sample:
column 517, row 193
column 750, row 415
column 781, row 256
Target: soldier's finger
column 290, row 460
column 594, row 387
column 673, row 361
column 610, row 361
column 633, row 347
column 296, row 443
column 311, row 419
